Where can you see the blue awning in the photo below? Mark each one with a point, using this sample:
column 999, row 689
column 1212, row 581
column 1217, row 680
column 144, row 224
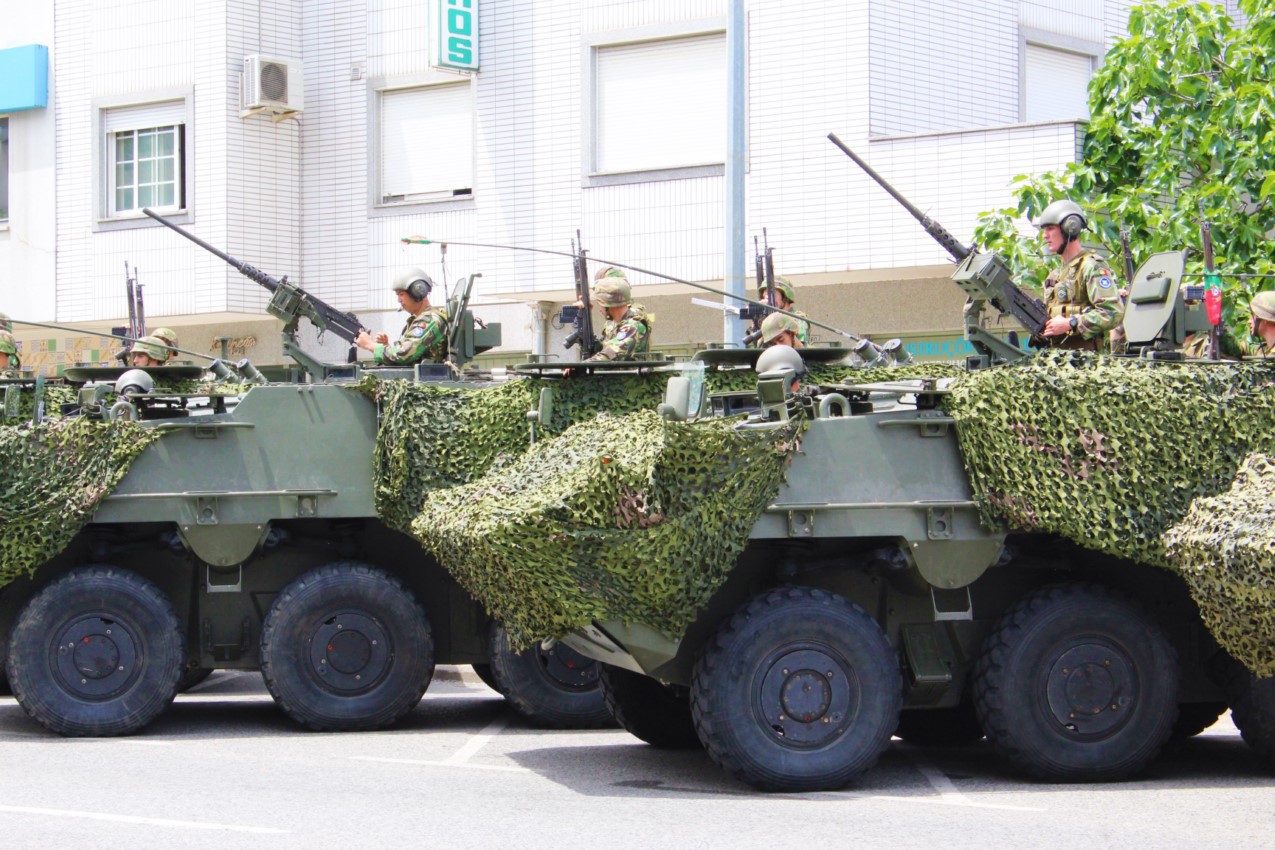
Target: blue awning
column 24, row 78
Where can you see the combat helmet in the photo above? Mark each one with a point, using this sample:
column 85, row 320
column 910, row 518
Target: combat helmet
column 9, row 346
column 6, row 324
column 168, row 336
column 612, row 288
column 775, row 324
column 783, row 286
column 1263, row 305
column 415, row 282
column 1067, row 215
column 151, row 346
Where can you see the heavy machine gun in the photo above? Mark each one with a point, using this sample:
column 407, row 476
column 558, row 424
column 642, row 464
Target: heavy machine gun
column 985, row 279
column 290, row 303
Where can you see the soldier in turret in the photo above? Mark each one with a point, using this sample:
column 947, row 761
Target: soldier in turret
column 148, row 351
column 6, row 324
column 424, row 337
column 1259, row 343
column 1082, row 297
column 781, row 329
column 786, row 299
column 627, row 335
column 9, row 360
column 168, row 337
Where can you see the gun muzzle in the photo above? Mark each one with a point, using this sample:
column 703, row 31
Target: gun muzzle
column 752, row 336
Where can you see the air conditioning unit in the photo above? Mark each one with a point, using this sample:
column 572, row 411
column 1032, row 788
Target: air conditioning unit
column 271, row 86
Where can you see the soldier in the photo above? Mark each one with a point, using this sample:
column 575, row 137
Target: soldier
column 168, row 337
column 627, row 335
column 9, row 360
column 1082, row 297
column 424, row 337
column 1261, row 326
column 781, row 329
column 149, row 351
column 6, row 324
column 785, row 299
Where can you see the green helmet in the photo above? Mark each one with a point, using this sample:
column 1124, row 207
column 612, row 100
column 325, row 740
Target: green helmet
column 613, row 290
column 1068, row 215
column 415, row 283
column 783, row 286
column 9, row 346
column 151, row 346
column 775, row 324
column 1263, row 305
column 168, row 336
column 609, row 271
column 6, row 324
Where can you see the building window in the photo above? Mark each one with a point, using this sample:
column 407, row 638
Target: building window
column 145, row 154
column 4, row 169
column 659, row 104
column 426, row 144
column 1055, row 84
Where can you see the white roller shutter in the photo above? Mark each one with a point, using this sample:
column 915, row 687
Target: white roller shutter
column 144, row 117
column 660, row 104
column 1056, row 85
column 427, row 137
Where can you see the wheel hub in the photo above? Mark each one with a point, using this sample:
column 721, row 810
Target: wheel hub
column 567, row 668
column 1091, row 689
column 350, row 652
column 96, row 657
column 808, row 697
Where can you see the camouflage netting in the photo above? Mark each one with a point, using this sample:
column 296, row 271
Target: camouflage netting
column 55, row 396
column 828, row 374
column 55, row 475
column 1225, row 550
column 620, row 517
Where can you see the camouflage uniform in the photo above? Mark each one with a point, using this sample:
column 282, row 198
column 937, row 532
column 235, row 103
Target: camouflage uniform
column 629, row 338
column 6, row 324
column 1197, row 346
column 424, row 340
column 9, row 346
column 784, row 287
column 1085, row 289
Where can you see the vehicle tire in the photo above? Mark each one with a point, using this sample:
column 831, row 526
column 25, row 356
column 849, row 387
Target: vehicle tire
column 658, row 714
column 1077, row 684
column 940, row 727
column 556, row 688
column 346, row 647
column 1253, row 712
column 798, row 691
column 1194, row 718
column 98, row 652
column 484, row 673
column 191, row 677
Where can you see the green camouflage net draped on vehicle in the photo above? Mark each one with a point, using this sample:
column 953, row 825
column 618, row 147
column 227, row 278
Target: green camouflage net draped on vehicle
column 54, row 397
column 831, row 374
column 1225, row 551
column 55, row 475
column 620, row 517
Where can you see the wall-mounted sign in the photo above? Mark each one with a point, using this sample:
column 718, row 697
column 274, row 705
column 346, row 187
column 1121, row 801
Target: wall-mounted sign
column 24, row 77
column 456, row 34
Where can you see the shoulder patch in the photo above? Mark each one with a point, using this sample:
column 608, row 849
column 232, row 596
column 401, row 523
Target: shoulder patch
column 416, row 332
column 1104, row 282
column 625, row 332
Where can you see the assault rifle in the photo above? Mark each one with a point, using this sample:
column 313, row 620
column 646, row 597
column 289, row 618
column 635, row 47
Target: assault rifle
column 136, row 310
column 764, row 266
column 985, row 279
column 290, row 303
column 581, row 317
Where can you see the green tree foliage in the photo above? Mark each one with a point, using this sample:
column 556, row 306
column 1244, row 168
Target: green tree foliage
column 1182, row 130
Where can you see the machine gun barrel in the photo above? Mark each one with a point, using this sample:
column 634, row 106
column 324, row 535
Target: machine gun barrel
column 941, row 235
column 289, row 302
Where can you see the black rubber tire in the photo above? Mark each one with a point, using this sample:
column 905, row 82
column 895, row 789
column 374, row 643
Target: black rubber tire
column 1253, row 712
column 940, row 727
column 655, row 713
column 193, row 676
column 555, row 688
column 1194, row 718
column 1051, row 672
column 96, row 653
column 346, row 647
column 484, row 673
column 804, row 652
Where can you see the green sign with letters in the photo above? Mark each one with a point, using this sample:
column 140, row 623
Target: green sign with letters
column 456, row 28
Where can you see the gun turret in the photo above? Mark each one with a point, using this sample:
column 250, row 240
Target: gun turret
column 289, row 303
column 985, row 279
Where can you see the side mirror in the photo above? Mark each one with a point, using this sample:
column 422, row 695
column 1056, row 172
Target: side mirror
column 677, row 399
column 542, row 412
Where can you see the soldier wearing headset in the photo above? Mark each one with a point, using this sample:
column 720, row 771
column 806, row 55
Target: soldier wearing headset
column 424, row 337
column 1082, row 296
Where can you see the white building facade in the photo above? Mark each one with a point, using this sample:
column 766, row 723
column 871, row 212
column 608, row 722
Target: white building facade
column 599, row 115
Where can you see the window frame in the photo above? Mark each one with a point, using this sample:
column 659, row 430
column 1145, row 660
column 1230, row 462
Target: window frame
column 1032, row 37
column 377, row 88
column 105, row 217
column 591, row 44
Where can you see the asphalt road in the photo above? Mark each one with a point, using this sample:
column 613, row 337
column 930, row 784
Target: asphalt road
column 224, row 768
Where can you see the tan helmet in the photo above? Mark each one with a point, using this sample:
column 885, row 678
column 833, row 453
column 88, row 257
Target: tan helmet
column 613, row 290
column 783, row 286
column 168, row 336
column 9, row 346
column 775, row 324
column 151, row 346
column 1263, row 305
column 415, row 283
column 1068, row 215
column 609, row 271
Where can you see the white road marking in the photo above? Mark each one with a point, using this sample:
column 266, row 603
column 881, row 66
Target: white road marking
column 479, row 741
column 446, row 763
column 189, row 698
column 948, row 793
column 461, row 757
column 177, row 824
column 963, row 801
